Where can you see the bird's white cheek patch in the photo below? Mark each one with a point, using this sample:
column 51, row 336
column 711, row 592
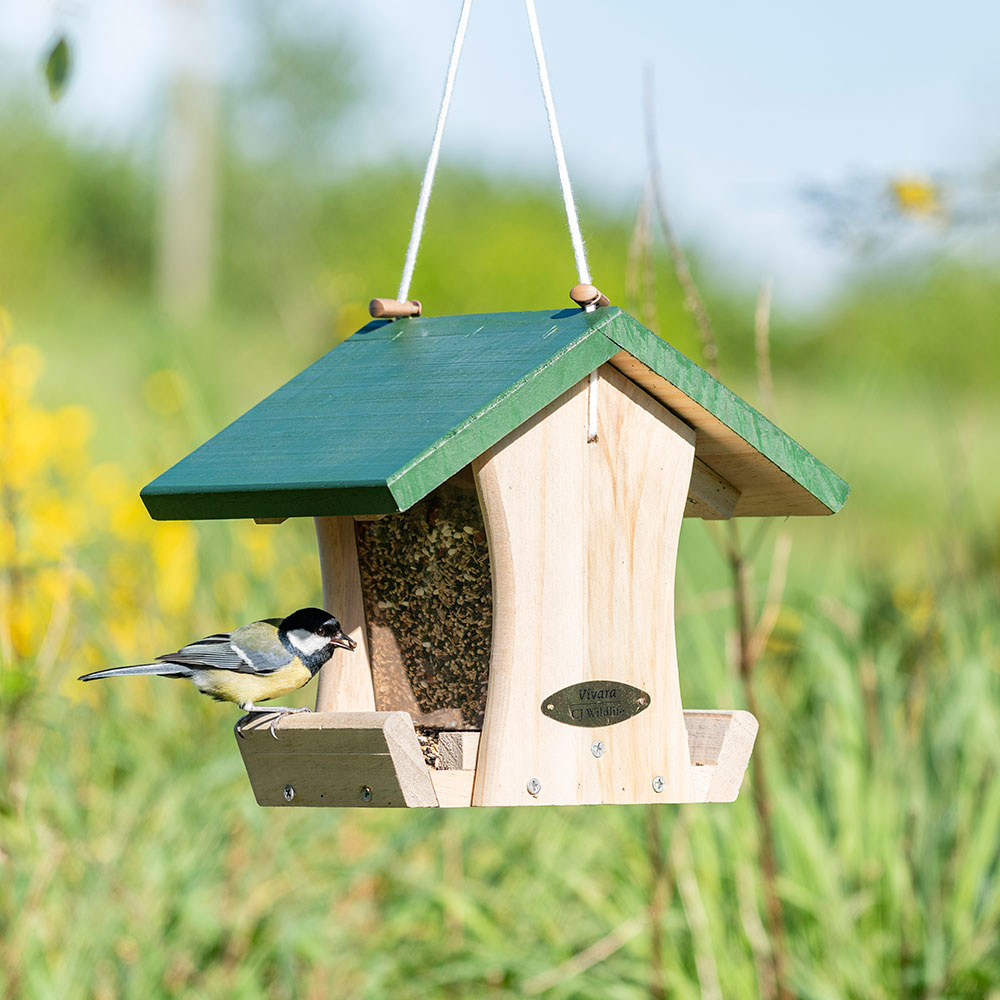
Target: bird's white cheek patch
column 307, row 642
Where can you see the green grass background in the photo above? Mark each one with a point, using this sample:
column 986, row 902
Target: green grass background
column 133, row 860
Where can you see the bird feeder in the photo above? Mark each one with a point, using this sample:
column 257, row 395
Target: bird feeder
column 498, row 500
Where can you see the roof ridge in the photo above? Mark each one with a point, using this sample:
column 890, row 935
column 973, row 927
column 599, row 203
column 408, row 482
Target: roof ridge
column 499, row 399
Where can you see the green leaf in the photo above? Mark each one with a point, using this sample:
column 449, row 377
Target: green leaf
column 57, row 68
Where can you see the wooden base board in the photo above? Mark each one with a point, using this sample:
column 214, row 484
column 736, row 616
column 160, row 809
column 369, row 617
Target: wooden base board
column 366, row 759
column 373, row 759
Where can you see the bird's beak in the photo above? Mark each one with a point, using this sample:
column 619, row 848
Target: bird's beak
column 344, row 641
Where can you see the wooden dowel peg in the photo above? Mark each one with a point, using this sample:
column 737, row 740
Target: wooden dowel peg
column 588, row 297
column 392, row 309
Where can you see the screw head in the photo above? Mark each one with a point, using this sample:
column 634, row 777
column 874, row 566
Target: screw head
column 658, row 784
column 534, row 787
column 289, row 793
column 597, row 748
column 366, row 793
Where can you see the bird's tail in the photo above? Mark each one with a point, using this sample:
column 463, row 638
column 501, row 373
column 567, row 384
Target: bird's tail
column 161, row 669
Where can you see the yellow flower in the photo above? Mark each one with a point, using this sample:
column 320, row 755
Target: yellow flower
column 121, row 584
column 28, row 447
column 124, row 634
column 25, row 627
column 175, row 557
column 916, row 196
column 258, row 542
column 72, row 427
column 106, row 483
column 56, row 524
column 8, row 542
column 23, row 367
column 129, row 520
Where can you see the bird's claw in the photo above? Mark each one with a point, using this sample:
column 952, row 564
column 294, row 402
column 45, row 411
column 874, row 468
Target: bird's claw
column 281, row 713
column 277, row 714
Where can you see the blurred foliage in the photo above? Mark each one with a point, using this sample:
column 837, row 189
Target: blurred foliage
column 58, row 65
column 931, row 323
column 72, row 217
column 294, row 86
column 133, row 861
column 136, row 864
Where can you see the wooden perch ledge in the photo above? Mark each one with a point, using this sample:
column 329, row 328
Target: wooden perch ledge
column 373, row 759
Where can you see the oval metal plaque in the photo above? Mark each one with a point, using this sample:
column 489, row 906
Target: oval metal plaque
column 595, row 703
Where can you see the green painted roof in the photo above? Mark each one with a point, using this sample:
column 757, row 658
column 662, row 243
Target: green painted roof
column 396, row 409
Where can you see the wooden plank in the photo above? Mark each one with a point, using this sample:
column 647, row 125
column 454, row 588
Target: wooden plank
column 765, row 490
column 774, row 473
column 182, row 501
column 453, row 788
column 457, row 751
column 345, row 682
column 505, row 413
column 734, row 756
column 720, row 743
column 386, row 416
column 392, row 412
column 313, row 733
column 701, row 781
column 331, row 758
column 334, row 720
column 407, row 756
column 710, row 497
column 322, row 780
column 583, row 544
column 707, row 731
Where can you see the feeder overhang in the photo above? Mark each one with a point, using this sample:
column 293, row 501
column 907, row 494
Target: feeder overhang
column 399, row 407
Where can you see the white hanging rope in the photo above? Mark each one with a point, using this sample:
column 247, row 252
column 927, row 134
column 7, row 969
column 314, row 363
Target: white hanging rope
column 572, row 220
column 550, row 109
column 428, row 182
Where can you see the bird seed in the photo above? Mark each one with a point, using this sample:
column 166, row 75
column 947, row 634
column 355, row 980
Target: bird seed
column 425, row 575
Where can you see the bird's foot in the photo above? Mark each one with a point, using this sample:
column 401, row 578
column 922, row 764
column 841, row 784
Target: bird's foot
column 278, row 711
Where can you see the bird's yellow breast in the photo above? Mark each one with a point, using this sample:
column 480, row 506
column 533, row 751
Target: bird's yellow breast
column 232, row 685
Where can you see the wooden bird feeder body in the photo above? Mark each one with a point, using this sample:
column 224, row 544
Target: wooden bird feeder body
column 498, row 501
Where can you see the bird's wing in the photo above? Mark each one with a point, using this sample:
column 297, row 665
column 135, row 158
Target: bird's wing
column 250, row 649
column 259, row 646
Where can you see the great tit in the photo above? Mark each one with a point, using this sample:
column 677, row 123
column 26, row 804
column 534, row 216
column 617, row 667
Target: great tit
column 255, row 662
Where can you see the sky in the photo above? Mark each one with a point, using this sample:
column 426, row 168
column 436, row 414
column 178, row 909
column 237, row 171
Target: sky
column 753, row 101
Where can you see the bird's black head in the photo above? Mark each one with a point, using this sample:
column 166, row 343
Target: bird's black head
column 313, row 634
